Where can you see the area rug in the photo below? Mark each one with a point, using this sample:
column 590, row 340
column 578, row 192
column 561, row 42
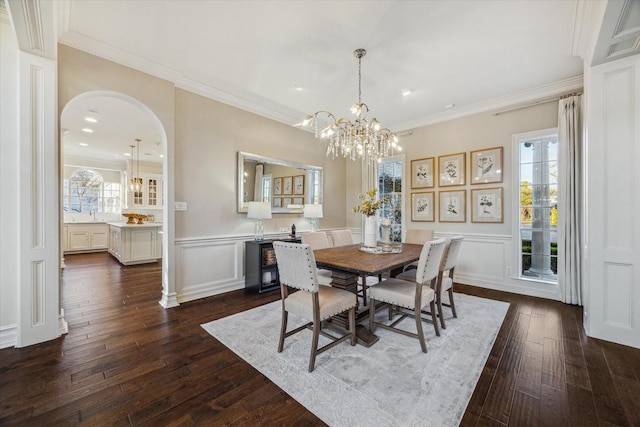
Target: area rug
column 391, row 383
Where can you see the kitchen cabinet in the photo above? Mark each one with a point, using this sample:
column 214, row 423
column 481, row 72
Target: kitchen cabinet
column 134, row 243
column 85, row 237
column 260, row 267
column 150, row 194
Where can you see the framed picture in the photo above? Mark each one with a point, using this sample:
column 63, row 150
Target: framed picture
column 286, row 201
column 298, row 200
column 287, row 185
column 277, row 202
column 486, row 166
column 486, row 205
column 422, row 172
column 422, row 206
column 277, row 186
column 298, row 184
column 451, row 169
column 453, row 206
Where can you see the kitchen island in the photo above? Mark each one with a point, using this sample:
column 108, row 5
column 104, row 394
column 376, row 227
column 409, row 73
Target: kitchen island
column 134, row 243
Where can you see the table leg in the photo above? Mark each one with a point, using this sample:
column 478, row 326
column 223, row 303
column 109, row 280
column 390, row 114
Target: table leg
column 349, row 282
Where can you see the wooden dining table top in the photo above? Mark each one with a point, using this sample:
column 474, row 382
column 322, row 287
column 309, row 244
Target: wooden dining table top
column 350, row 258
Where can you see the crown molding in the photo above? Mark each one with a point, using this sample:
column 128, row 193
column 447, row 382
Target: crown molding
column 509, row 101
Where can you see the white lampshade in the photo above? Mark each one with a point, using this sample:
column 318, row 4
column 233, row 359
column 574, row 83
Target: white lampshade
column 312, row 211
column 259, row 210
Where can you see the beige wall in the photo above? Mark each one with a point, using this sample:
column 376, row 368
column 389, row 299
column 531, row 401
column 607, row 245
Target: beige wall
column 468, row 134
column 208, row 135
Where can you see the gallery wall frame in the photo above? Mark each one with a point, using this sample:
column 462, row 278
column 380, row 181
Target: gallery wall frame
column 485, row 166
column 422, row 173
column 451, row 170
column 487, row 205
column 423, row 206
column 452, row 206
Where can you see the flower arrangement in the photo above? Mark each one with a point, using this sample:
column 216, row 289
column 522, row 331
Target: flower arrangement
column 369, row 205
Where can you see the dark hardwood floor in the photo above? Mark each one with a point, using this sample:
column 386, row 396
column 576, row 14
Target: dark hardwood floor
column 128, row 361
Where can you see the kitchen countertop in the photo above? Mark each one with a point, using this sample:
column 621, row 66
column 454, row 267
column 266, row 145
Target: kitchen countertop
column 144, row 224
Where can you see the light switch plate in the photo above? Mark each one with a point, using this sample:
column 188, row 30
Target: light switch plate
column 181, row 206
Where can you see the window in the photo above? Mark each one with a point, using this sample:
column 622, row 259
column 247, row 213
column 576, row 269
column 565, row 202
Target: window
column 266, row 188
column 390, row 172
column 537, row 205
column 85, row 190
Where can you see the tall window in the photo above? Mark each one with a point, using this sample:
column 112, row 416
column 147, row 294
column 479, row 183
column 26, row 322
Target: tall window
column 390, row 186
column 538, row 205
column 85, row 190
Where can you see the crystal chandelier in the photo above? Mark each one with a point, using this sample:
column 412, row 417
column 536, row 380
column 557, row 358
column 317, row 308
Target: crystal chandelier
column 359, row 139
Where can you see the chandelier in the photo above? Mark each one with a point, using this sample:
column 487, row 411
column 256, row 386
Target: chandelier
column 359, row 139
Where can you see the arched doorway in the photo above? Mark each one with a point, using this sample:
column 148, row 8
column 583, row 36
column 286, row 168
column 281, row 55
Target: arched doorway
column 98, row 130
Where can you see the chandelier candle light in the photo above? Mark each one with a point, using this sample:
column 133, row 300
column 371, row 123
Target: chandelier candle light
column 359, row 139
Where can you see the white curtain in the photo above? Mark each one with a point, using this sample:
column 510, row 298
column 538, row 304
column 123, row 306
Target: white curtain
column 257, row 189
column 570, row 200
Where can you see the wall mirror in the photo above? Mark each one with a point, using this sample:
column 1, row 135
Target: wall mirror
column 286, row 185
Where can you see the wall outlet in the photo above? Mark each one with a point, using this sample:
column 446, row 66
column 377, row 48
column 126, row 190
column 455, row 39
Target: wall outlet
column 508, row 270
column 181, row 206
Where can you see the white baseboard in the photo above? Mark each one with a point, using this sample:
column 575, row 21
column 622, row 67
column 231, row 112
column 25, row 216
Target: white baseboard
column 8, row 335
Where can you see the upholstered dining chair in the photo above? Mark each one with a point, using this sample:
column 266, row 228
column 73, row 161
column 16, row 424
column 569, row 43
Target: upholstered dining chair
column 445, row 282
column 417, row 236
column 412, row 296
column 318, row 240
column 312, row 301
column 343, row 238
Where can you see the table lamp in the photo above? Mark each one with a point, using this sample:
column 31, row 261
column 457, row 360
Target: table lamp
column 259, row 211
column 313, row 212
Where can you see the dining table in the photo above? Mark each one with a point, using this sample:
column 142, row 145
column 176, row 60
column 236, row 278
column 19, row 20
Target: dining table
column 348, row 263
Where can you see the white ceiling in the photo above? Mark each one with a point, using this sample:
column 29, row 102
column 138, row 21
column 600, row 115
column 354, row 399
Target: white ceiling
column 474, row 54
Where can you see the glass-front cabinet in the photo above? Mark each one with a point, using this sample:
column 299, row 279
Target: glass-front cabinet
column 147, row 191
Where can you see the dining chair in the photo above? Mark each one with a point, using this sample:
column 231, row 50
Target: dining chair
column 417, row 236
column 343, row 238
column 445, row 283
column 318, row 240
column 414, row 296
column 312, row 301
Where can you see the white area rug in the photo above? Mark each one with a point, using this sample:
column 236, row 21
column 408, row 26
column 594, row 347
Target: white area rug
column 392, row 383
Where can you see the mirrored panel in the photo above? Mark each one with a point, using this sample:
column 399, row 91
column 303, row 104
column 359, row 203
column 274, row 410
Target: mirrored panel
column 286, row 185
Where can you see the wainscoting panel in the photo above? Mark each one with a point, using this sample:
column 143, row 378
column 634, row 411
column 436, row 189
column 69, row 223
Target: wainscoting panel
column 206, row 267
column 618, row 294
column 210, row 266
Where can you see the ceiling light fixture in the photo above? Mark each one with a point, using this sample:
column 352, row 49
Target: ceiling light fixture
column 91, row 119
column 135, row 181
column 359, row 139
column 87, row 130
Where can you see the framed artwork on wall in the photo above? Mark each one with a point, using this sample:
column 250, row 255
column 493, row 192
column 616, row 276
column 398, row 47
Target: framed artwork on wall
column 286, row 201
column 277, row 186
column 277, row 202
column 487, row 205
column 422, row 173
column 298, row 184
column 287, row 185
column 453, row 206
column 451, row 169
column 422, row 206
column 298, row 200
column 486, row 165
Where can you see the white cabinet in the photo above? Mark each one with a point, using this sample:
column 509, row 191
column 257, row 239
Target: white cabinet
column 150, row 192
column 85, row 237
column 134, row 243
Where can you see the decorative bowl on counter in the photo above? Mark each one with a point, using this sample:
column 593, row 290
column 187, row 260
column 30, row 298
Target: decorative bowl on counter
column 140, row 218
column 131, row 216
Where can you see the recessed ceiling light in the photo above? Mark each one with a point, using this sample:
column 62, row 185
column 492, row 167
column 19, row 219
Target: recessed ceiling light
column 449, row 106
column 84, row 144
column 87, row 130
column 127, row 154
column 161, row 156
column 91, row 119
column 406, row 92
column 298, row 87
